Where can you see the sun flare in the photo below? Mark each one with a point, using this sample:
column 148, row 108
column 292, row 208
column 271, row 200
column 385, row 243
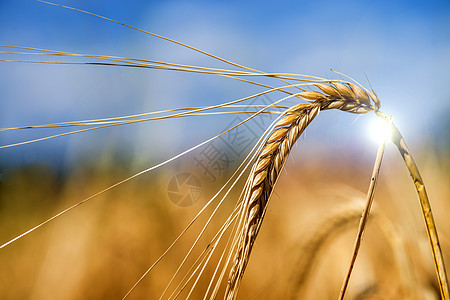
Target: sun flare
column 379, row 130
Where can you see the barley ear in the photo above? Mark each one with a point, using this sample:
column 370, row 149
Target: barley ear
column 398, row 140
column 262, row 180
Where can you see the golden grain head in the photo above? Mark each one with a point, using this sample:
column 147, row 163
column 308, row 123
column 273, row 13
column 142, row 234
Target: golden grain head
column 360, row 94
column 345, row 91
column 312, row 96
column 375, row 99
column 329, row 90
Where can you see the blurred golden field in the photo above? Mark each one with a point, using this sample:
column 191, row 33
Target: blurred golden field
column 101, row 248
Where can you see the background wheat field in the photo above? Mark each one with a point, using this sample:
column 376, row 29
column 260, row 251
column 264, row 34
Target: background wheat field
column 101, row 248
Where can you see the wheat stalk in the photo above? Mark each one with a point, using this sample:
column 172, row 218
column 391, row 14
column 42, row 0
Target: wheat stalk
column 441, row 273
column 273, row 155
column 365, row 214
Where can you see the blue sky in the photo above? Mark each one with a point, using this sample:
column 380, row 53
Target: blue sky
column 403, row 47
